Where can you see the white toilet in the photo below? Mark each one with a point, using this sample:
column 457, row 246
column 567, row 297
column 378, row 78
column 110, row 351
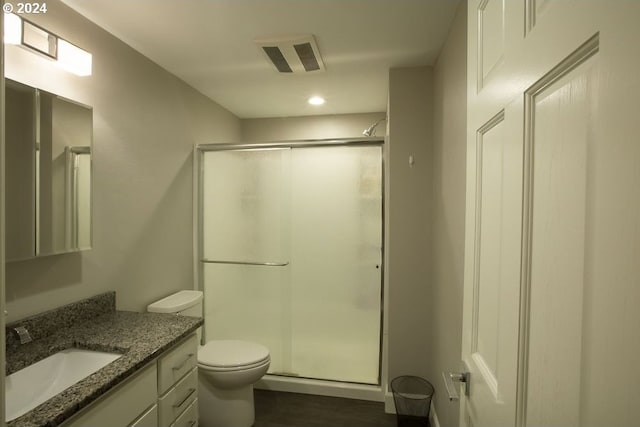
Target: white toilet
column 227, row 369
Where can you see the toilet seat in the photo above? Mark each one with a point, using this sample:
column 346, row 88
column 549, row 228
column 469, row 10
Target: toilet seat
column 232, row 355
column 234, row 368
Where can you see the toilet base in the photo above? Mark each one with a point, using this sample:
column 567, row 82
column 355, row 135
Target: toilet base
column 225, row 408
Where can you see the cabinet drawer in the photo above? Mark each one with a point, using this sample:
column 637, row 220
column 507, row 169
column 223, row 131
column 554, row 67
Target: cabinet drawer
column 178, row 362
column 189, row 418
column 122, row 405
column 177, row 399
column 148, row 419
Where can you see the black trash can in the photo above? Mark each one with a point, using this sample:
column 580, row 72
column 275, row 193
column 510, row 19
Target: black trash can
column 412, row 397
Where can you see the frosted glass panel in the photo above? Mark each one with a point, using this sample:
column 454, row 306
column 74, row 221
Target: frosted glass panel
column 335, row 265
column 248, row 303
column 245, row 205
column 246, row 209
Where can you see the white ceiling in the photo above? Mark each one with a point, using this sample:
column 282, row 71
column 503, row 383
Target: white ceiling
column 209, row 44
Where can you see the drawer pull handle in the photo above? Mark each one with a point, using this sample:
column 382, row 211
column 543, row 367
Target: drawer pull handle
column 184, row 362
column 189, row 394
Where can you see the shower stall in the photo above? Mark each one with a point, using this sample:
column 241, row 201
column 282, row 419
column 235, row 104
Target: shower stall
column 290, row 250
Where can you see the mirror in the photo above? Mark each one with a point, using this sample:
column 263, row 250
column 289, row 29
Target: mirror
column 48, row 173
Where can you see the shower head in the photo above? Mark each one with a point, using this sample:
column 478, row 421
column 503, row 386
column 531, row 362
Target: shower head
column 371, row 130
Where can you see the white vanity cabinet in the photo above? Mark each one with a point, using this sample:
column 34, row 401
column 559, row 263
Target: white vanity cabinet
column 189, row 417
column 122, row 406
column 162, row 394
column 178, row 383
column 147, row 419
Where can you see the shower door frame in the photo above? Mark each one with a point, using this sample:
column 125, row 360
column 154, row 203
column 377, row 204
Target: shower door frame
column 316, row 386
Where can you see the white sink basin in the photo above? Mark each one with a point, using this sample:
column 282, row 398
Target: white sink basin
column 37, row 383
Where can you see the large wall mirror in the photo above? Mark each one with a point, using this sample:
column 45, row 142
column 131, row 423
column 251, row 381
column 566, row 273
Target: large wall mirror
column 48, row 173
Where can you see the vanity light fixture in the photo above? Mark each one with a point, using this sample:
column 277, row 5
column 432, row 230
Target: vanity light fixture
column 316, row 100
column 39, row 40
column 74, row 59
column 23, row 33
column 12, row 29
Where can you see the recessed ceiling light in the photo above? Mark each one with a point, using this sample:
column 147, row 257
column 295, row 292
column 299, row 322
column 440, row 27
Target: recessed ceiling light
column 316, row 100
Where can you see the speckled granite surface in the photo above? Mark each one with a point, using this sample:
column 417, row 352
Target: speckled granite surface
column 140, row 337
column 46, row 323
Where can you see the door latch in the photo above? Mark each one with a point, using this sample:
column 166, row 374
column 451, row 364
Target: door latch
column 450, row 378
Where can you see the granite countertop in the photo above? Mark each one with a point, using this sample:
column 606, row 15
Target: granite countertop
column 139, row 337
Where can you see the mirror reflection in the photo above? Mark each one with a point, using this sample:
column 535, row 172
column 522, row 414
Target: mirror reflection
column 48, row 173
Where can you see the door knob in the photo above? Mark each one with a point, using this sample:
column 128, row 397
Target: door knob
column 450, row 378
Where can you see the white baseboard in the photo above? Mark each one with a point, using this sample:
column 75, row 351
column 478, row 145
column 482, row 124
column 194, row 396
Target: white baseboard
column 433, row 417
column 390, row 408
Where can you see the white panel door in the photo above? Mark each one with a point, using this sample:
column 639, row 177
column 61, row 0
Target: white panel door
column 552, row 278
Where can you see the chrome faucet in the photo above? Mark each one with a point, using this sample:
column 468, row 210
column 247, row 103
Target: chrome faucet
column 23, row 334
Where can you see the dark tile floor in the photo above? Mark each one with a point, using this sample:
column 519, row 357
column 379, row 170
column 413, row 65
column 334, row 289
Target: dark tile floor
column 277, row 409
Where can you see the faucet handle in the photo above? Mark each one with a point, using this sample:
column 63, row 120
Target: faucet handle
column 23, row 334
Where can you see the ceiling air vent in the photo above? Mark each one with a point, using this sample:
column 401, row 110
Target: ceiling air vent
column 292, row 54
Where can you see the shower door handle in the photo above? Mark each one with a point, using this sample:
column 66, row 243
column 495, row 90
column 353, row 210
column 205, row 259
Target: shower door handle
column 264, row 264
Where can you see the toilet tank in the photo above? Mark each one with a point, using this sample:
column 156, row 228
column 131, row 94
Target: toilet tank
column 183, row 303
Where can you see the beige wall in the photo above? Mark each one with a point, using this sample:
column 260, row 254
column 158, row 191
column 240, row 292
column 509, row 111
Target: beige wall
column 310, row 127
column 409, row 217
column 146, row 122
column 449, row 157
column 425, row 243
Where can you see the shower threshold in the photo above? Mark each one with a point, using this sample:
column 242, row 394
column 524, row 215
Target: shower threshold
column 285, row 374
column 295, row 384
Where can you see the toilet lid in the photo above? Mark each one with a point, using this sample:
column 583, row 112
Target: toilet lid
column 229, row 353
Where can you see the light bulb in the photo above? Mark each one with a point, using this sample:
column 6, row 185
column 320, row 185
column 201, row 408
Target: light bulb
column 316, row 100
column 74, row 59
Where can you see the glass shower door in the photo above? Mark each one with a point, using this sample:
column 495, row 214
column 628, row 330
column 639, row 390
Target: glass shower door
column 319, row 211
column 336, row 255
column 245, row 247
